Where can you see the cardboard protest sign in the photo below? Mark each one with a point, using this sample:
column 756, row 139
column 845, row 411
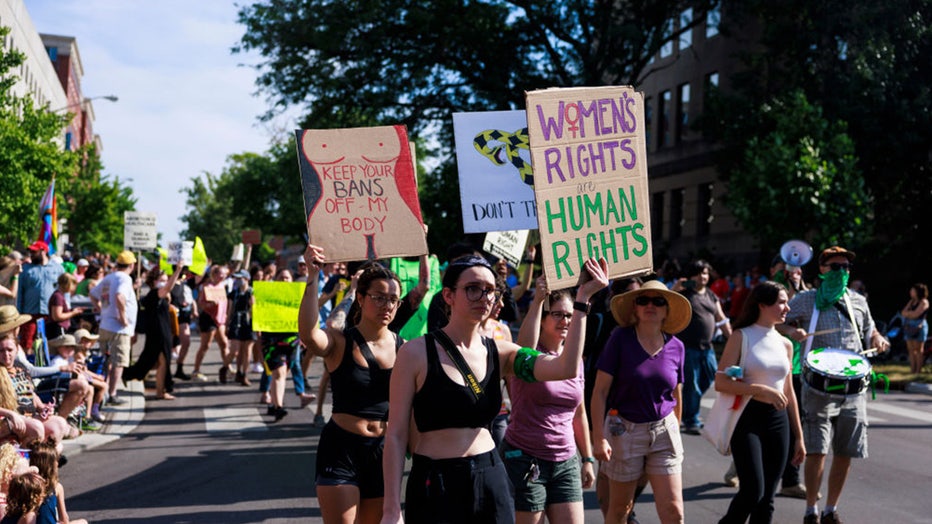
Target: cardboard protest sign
column 590, row 165
column 214, row 294
column 251, row 236
column 494, row 164
column 276, row 306
column 360, row 193
column 506, row 244
column 181, row 252
column 140, row 230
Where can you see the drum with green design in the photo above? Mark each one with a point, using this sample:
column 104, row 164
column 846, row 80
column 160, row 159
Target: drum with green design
column 837, row 371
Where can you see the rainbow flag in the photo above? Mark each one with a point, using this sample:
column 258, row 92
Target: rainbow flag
column 48, row 216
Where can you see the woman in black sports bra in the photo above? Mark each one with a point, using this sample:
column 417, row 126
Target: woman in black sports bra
column 457, row 475
column 360, row 361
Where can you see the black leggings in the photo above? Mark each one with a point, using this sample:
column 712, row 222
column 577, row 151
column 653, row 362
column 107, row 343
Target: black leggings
column 759, row 446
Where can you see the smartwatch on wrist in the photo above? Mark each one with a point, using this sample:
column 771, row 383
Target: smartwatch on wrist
column 582, row 306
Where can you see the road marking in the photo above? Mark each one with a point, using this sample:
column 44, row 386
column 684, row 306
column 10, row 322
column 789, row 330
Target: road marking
column 872, row 405
column 233, row 420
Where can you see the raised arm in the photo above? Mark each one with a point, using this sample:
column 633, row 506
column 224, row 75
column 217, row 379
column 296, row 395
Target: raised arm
column 317, row 341
column 529, row 333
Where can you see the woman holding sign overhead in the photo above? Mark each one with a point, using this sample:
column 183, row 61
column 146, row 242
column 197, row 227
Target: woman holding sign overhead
column 360, row 360
column 448, row 382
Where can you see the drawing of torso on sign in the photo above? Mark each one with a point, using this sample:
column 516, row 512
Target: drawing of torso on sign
column 360, row 192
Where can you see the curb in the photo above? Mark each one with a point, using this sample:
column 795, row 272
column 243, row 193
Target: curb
column 122, row 420
column 919, row 387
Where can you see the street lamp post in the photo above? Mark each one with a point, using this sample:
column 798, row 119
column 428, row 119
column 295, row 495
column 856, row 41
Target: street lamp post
column 111, row 98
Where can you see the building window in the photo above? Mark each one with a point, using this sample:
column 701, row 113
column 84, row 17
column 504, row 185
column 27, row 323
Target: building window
column 667, row 48
column 648, row 120
column 711, row 81
column 704, row 215
column 53, row 52
column 663, row 135
column 656, row 218
column 677, row 216
column 686, row 37
column 712, row 19
column 682, row 113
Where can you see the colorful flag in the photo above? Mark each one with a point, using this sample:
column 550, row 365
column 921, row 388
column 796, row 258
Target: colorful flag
column 48, row 216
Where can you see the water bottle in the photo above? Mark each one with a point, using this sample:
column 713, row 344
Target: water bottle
column 616, row 426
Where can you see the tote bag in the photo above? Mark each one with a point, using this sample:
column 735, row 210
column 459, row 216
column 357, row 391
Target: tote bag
column 722, row 418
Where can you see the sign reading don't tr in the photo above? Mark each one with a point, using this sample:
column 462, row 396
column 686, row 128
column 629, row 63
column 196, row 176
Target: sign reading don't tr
column 590, row 180
column 360, row 193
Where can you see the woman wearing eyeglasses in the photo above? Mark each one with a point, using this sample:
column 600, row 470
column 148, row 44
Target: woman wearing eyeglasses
column 638, row 394
column 360, row 360
column 448, row 381
column 548, row 423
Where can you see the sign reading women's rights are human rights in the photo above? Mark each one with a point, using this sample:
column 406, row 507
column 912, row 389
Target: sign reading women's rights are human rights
column 590, row 180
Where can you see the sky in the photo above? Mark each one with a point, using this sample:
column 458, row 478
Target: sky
column 185, row 102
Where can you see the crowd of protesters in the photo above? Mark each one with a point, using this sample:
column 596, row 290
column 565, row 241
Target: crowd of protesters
column 642, row 362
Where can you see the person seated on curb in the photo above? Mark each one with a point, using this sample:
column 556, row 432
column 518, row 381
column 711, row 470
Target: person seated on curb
column 86, row 341
column 56, row 428
column 79, row 390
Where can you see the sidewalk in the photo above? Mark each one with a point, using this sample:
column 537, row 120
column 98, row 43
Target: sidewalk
column 120, row 421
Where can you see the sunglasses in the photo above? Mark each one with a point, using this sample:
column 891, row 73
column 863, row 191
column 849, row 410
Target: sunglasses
column 644, row 300
column 838, row 265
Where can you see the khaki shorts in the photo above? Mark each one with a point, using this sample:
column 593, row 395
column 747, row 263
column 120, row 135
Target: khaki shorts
column 116, row 345
column 835, row 421
column 654, row 447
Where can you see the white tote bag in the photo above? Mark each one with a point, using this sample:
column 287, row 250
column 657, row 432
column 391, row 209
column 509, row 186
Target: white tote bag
column 722, row 418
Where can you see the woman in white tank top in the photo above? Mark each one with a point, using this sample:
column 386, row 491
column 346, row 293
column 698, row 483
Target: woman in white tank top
column 760, row 442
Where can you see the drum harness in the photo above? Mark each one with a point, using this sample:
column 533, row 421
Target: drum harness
column 847, row 309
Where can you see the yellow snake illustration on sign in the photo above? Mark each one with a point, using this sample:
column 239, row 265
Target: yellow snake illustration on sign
column 506, row 150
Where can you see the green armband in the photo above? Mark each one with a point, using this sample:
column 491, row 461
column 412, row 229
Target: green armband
column 524, row 364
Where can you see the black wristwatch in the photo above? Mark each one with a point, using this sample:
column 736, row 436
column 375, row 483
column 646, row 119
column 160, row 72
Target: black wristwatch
column 582, row 306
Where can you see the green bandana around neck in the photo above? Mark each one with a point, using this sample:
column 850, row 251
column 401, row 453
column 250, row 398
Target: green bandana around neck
column 834, row 284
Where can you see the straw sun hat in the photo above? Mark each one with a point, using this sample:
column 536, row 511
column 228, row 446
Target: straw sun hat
column 679, row 312
column 11, row 318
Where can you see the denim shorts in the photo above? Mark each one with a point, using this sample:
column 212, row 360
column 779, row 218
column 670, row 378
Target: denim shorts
column 832, row 420
column 655, row 447
column 539, row 483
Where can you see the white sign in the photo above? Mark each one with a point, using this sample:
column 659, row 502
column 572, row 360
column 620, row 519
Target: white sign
column 506, row 244
column 237, row 255
column 140, row 230
column 494, row 163
column 181, row 252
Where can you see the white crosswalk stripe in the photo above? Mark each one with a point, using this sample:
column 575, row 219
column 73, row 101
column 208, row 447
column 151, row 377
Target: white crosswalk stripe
column 233, row 420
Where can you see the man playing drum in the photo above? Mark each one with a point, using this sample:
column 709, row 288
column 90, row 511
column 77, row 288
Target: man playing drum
column 832, row 418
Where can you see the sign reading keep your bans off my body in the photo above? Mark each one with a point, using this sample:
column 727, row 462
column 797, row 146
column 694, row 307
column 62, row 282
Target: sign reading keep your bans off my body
column 590, row 180
column 360, row 192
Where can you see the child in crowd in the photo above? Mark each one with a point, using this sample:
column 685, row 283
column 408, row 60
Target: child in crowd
column 86, row 342
column 52, row 510
column 25, row 495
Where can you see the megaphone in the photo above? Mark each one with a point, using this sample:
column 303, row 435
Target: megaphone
column 796, row 253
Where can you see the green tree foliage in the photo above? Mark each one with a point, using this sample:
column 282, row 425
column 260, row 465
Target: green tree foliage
column 94, row 205
column 368, row 62
column 795, row 175
column 30, row 155
column 252, row 192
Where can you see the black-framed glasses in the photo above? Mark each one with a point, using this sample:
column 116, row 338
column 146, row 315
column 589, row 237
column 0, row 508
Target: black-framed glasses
column 840, row 265
column 643, row 300
column 560, row 315
column 384, row 300
column 475, row 293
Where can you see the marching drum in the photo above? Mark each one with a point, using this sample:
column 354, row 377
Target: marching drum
column 836, row 371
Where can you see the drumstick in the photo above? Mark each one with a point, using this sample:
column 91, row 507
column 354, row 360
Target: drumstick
column 823, row 332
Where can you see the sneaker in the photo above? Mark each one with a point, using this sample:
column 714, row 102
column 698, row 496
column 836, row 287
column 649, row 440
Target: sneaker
column 812, row 518
column 831, row 518
column 200, row 377
column 97, row 417
column 223, row 374
column 90, row 425
column 731, row 478
column 691, row 430
column 319, row 421
column 256, row 368
column 307, row 398
column 266, row 398
column 280, row 413
column 270, row 410
column 797, row 492
column 117, row 401
column 181, row 375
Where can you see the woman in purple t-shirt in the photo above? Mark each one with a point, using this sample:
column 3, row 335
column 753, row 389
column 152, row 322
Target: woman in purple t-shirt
column 548, row 423
column 639, row 387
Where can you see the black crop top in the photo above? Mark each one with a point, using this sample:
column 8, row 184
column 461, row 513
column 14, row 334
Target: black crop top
column 359, row 391
column 442, row 403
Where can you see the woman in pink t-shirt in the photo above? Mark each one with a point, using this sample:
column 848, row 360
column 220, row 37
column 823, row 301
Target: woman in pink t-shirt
column 548, row 423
